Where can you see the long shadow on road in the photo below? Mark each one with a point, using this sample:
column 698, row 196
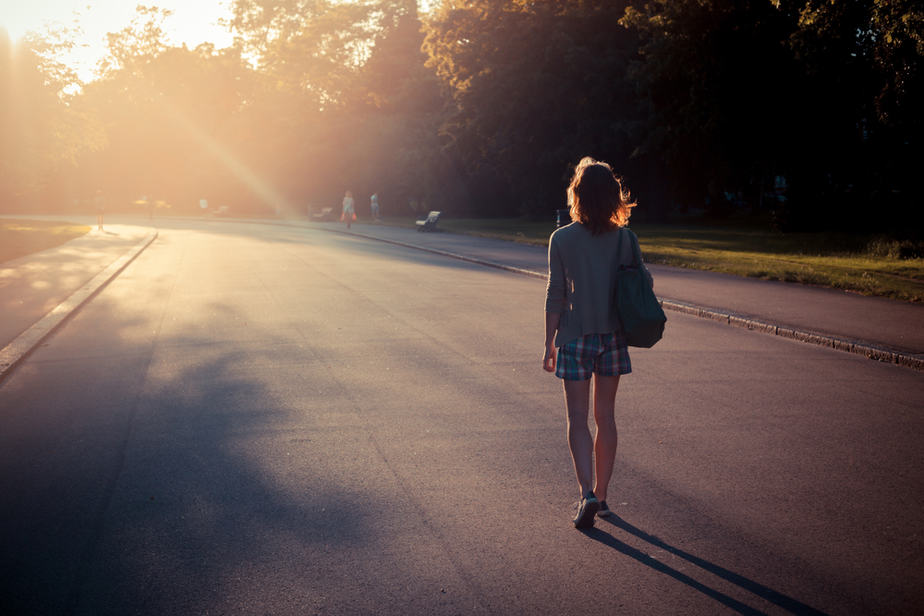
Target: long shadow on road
column 788, row 603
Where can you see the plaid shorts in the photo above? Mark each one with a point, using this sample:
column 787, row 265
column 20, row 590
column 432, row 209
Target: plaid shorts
column 604, row 354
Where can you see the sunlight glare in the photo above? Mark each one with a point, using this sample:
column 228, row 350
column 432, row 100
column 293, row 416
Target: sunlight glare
column 191, row 23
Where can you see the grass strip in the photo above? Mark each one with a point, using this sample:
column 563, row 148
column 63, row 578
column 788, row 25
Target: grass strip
column 865, row 264
column 23, row 237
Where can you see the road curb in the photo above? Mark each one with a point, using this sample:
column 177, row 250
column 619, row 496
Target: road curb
column 446, row 253
column 857, row 347
column 16, row 351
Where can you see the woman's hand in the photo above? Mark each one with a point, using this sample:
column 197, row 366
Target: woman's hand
column 548, row 361
column 552, row 320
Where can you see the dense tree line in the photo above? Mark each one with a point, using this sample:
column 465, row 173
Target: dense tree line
column 803, row 113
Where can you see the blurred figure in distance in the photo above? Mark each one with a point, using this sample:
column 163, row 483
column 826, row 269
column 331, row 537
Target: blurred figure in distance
column 100, row 208
column 374, row 205
column 349, row 210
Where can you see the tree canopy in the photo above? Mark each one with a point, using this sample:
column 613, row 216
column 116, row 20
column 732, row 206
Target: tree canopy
column 805, row 113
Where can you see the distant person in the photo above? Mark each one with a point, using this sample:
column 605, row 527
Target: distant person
column 374, row 206
column 349, row 211
column 100, row 207
column 583, row 335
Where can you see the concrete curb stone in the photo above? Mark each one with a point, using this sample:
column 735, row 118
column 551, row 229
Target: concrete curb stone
column 858, row 347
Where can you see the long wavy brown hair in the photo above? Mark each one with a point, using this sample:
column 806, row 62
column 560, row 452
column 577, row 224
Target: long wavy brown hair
column 597, row 197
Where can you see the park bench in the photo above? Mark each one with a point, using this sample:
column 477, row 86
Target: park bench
column 326, row 213
column 428, row 223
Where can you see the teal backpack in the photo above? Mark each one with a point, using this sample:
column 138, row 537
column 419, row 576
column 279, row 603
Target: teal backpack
column 637, row 306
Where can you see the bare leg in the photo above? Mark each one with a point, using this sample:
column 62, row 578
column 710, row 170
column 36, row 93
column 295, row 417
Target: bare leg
column 605, row 442
column 577, row 401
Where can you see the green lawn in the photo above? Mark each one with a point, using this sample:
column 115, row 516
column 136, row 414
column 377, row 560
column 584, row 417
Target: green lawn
column 23, row 237
column 868, row 265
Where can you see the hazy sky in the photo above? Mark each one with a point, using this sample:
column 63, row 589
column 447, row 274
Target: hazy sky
column 192, row 22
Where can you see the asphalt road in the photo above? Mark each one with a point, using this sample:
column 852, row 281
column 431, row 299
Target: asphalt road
column 272, row 420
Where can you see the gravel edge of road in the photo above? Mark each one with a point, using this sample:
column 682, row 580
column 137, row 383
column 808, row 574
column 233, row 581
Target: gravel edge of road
column 16, row 351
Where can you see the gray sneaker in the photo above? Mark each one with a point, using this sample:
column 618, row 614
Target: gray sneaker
column 586, row 511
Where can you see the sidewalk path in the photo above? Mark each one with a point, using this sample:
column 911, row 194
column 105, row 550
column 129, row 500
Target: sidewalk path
column 32, row 287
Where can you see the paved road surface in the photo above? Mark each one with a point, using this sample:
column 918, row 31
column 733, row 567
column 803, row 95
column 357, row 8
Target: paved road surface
column 882, row 322
column 273, row 420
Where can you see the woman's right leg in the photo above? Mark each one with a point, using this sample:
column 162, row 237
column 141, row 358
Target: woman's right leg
column 577, row 402
column 607, row 437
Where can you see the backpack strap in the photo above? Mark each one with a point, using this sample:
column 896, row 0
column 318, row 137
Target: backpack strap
column 636, row 248
column 636, row 251
column 619, row 248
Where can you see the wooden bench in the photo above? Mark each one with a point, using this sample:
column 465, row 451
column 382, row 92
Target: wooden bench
column 429, row 223
column 325, row 214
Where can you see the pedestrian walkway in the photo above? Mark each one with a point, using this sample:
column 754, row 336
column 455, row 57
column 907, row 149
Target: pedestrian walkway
column 33, row 286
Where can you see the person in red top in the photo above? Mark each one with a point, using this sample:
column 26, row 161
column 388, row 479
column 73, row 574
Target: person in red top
column 349, row 209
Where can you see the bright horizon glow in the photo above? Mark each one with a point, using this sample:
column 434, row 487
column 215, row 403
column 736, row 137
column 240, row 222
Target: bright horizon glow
column 193, row 22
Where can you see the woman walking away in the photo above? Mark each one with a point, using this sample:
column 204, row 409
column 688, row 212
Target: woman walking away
column 349, row 212
column 583, row 336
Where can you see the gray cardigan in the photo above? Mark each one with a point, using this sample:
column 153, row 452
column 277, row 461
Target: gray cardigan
column 582, row 279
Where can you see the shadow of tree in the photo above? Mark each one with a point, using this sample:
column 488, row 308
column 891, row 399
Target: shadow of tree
column 195, row 504
column 143, row 477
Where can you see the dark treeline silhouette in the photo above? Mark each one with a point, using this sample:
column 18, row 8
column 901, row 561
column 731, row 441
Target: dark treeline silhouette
column 803, row 114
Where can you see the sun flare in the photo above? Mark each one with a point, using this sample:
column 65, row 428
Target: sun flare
column 190, row 23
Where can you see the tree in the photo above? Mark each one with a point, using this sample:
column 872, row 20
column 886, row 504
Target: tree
column 740, row 93
column 716, row 85
column 309, row 46
column 863, row 60
column 347, row 86
column 536, row 86
column 172, row 120
column 398, row 105
column 43, row 135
